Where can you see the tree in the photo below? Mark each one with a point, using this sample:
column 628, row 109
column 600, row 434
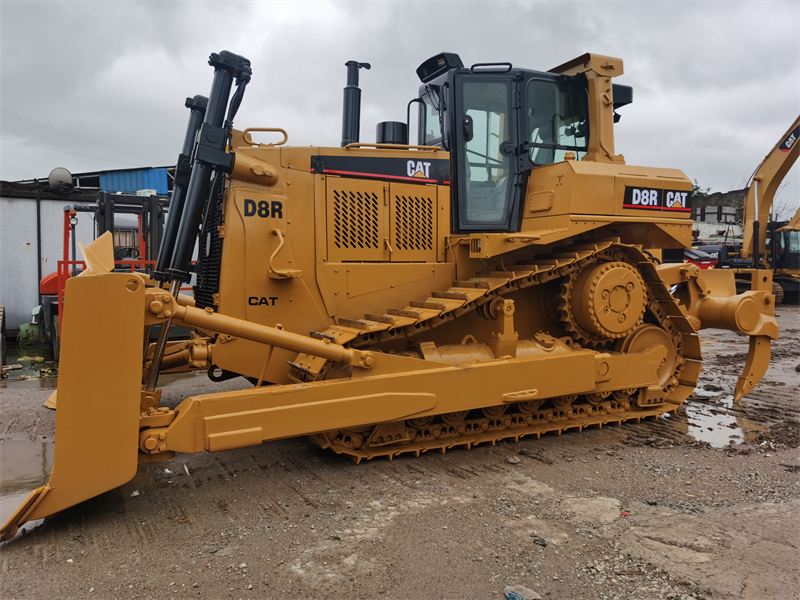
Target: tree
column 782, row 208
column 697, row 191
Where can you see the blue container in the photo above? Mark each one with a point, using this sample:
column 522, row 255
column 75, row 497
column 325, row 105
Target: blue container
column 130, row 182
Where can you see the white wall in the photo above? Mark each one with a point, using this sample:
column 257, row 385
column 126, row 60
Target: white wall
column 19, row 285
column 711, row 229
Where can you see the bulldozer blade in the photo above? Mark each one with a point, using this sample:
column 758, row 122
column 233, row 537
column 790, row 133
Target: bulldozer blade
column 99, row 259
column 99, row 255
column 99, row 393
column 51, row 401
column 757, row 363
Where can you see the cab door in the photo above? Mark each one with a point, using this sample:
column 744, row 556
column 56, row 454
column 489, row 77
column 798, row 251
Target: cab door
column 485, row 141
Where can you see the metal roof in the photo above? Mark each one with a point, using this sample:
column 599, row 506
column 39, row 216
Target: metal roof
column 129, row 182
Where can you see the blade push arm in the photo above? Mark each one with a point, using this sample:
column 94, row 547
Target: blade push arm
column 162, row 306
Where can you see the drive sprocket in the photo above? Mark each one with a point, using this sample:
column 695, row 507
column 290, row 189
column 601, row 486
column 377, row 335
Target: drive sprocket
column 602, row 302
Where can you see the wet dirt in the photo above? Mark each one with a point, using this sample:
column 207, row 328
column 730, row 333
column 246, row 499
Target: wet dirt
column 704, row 502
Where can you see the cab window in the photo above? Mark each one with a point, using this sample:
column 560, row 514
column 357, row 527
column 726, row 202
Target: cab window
column 485, row 125
column 432, row 126
column 557, row 121
column 793, row 241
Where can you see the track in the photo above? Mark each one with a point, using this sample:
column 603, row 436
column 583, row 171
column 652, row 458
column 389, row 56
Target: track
column 559, row 414
column 472, row 432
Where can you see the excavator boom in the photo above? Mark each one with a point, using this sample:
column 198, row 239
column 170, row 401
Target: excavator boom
column 760, row 194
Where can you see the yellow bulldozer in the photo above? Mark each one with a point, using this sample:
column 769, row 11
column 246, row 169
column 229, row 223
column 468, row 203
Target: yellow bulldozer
column 494, row 281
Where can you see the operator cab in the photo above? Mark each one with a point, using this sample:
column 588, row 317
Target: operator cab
column 498, row 123
column 785, row 250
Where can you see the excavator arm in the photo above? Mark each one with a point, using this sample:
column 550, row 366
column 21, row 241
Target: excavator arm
column 766, row 180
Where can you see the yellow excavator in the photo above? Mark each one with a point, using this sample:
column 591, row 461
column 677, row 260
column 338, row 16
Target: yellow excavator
column 491, row 282
column 768, row 243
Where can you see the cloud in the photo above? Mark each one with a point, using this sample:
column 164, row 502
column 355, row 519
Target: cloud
column 715, row 83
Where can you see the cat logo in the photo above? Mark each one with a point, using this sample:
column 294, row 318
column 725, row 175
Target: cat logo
column 676, row 200
column 787, row 144
column 432, row 170
column 417, row 168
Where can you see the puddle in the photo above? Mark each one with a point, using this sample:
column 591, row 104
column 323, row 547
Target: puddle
column 714, row 423
column 39, row 371
column 24, row 466
column 36, row 366
column 49, row 383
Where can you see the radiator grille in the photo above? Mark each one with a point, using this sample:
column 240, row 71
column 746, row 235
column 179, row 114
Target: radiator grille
column 355, row 220
column 413, row 223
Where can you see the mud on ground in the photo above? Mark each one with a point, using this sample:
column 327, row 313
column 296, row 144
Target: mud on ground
column 704, row 503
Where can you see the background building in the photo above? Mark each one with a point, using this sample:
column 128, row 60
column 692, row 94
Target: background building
column 32, row 226
column 719, row 214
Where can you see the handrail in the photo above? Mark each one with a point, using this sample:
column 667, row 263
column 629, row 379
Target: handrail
column 249, row 140
column 281, row 273
column 355, row 145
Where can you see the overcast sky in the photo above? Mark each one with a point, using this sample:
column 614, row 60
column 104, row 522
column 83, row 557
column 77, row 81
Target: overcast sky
column 101, row 85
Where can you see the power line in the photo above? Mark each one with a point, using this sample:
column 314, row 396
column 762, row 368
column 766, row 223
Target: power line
column 80, row 138
column 67, row 152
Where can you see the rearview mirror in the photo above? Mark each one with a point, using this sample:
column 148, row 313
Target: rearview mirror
column 468, row 134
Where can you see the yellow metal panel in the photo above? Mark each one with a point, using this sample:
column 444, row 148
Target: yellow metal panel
column 229, row 440
column 358, row 219
column 412, row 222
column 359, row 288
column 593, row 190
column 558, row 179
column 298, row 157
column 443, row 223
column 366, row 279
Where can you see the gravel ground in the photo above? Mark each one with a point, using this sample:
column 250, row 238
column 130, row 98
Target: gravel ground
column 704, row 503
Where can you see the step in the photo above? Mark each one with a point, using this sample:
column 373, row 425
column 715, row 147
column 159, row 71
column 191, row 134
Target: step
column 403, row 317
column 388, row 319
column 440, row 306
column 473, row 284
column 495, row 278
column 362, row 324
column 470, row 293
column 546, row 264
column 463, row 296
column 408, row 314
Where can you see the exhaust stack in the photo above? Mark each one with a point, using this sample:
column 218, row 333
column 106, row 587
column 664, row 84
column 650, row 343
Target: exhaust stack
column 351, row 113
